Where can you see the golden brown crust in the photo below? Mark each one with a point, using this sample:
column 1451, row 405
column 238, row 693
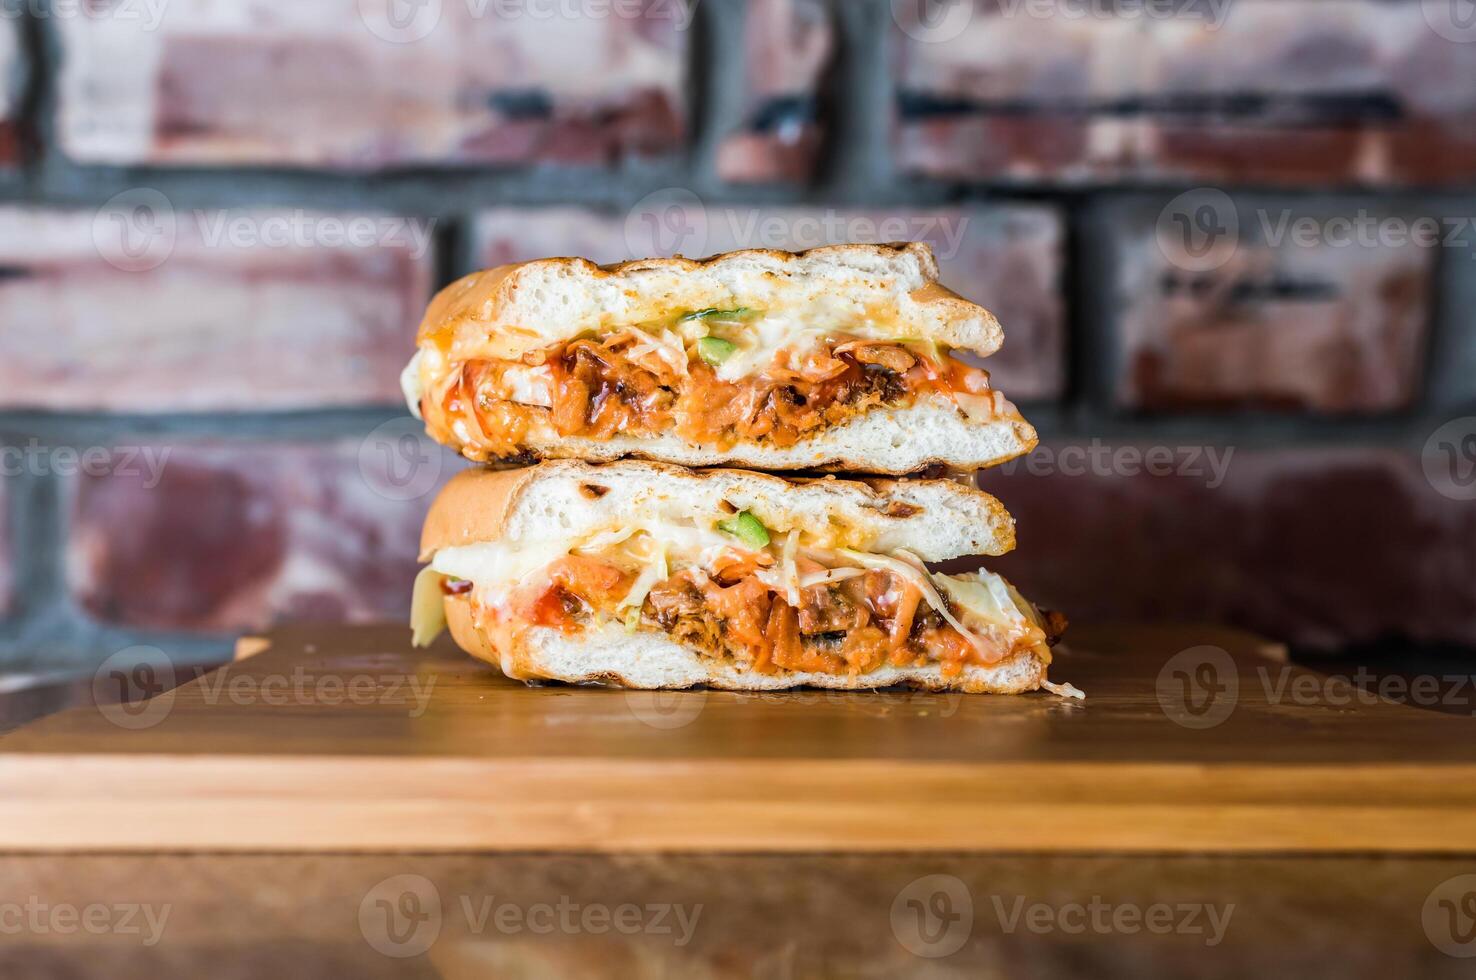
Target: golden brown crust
column 474, row 505
column 480, row 297
column 468, row 296
column 463, row 628
column 472, row 508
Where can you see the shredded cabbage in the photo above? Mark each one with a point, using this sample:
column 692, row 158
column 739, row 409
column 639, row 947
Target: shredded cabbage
column 788, row 570
column 828, row 576
column 668, row 347
column 917, row 575
column 652, row 575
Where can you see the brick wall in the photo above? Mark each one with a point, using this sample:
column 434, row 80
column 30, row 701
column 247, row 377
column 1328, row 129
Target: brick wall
column 1231, row 242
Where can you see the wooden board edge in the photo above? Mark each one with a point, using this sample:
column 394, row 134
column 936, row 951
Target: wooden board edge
column 376, row 805
column 250, row 646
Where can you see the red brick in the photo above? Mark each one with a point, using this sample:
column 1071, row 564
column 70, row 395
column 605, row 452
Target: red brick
column 788, row 44
column 10, row 94
column 1297, row 309
column 1320, row 547
column 1007, row 256
column 1354, row 92
column 218, row 538
column 1349, row 91
column 206, row 324
column 335, row 84
column 963, row 82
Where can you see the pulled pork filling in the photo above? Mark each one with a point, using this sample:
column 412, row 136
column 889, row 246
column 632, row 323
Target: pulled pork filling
column 642, row 383
column 779, row 608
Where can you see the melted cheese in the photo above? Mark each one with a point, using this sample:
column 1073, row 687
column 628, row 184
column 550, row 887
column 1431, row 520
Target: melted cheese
column 495, row 566
column 411, row 385
column 985, row 596
column 762, row 337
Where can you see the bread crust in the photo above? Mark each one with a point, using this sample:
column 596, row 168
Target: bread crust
column 526, row 656
column 476, row 506
column 467, row 316
column 473, row 507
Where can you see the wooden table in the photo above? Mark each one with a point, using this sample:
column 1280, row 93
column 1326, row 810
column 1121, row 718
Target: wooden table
column 309, row 811
column 349, row 740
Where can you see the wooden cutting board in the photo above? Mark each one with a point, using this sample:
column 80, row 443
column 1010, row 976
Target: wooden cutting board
column 346, row 739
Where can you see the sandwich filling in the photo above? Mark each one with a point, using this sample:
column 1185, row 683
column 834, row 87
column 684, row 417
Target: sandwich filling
column 711, row 377
column 739, row 592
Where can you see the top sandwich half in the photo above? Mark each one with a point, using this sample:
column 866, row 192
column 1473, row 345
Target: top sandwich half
column 838, row 358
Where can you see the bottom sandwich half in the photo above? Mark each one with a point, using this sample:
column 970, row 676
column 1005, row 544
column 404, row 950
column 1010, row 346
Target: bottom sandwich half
column 646, row 575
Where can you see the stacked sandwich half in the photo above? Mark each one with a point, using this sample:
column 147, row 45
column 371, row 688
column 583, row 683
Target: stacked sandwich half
column 611, row 560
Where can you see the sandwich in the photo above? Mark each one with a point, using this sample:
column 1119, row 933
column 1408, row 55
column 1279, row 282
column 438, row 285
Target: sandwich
column 649, row 575
column 838, row 358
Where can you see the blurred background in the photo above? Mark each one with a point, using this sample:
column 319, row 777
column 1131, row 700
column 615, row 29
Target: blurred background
column 1231, row 242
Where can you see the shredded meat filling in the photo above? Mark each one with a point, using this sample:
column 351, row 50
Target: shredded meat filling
column 853, row 626
column 597, row 388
